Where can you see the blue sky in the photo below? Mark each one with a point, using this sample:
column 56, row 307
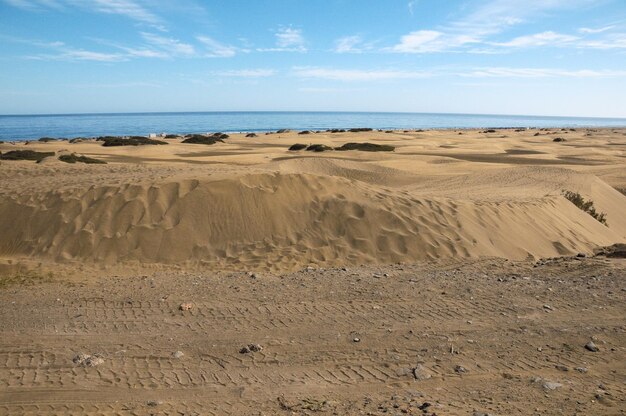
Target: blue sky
column 538, row 57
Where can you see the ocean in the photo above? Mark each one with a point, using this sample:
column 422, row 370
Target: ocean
column 28, row 127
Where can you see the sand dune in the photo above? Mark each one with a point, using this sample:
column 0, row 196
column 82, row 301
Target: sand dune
column 299, row 211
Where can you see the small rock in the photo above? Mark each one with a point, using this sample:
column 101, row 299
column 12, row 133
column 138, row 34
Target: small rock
column 590, row 346
column 581, row 369
column 255, row 347
column 356, row 339
column 561, row 367
column 178, row 355
column 581, row 255
column 377, row 275
column 86, row 360
column 185, row 306
column 153, row 403
column 547, row 307
column 421, row 373
column 459, row 369
column 244, row 350
column 551, row 385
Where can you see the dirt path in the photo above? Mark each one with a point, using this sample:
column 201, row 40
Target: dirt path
column 484, row 337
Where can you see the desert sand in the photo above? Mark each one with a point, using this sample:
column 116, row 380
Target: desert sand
column 450, row 276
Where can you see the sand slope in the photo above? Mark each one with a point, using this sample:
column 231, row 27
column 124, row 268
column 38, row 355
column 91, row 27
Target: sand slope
column 314, row 211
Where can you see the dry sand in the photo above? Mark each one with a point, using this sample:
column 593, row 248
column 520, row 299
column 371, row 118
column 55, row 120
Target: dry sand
column 442, row 239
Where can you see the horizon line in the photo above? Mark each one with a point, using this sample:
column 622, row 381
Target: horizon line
column 299, row 111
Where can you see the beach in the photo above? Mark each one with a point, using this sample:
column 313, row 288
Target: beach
column 446, row 273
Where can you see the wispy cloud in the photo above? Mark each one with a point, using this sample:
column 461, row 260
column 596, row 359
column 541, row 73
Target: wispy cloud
column 424, row 41
column 287, row 40
column 491, row 18
column 357, row 74
column 128, row 8
column 588, row 30
column 217, row 49
column 348, row 44
column 171, row 46
column 540, row 39
column 504, row 72
column 245, row 73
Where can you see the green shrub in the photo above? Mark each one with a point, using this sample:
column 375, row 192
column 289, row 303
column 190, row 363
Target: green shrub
column 587, row 206
column 367, row 147
column 25, row 155
column 201, row 139
column 47, row 139
column 318, row 148
column 297, row 146
column 73, row 158
column 131, row 141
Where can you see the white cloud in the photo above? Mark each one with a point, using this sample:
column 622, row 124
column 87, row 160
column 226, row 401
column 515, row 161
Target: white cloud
column 287, row 40
column 505, row 72
column 357, row 74
column 173, row 47
column 539, row 39
column 424, row 41
column 348, row 44
column 217, row 49
column 246, row 73
column 125, row 8
column 588, row 30
column 490, row 18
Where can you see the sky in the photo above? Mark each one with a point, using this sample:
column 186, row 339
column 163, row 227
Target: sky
column 530, row 57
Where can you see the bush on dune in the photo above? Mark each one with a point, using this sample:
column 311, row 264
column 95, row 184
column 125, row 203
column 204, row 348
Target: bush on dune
column 25, row 155
column 318, row 148
column 74, row 158
column 367, row 147
column 587, row 206
column 201, row 139
column 297, row 146
column 130, row 141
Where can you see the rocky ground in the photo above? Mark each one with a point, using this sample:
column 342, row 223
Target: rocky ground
column 454, row 337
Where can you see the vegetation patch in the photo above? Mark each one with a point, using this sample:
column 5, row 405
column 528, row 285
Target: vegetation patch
column 201, row 139
column 318, row 148
column 251, row 135
column 304, row 132
column 558, row 139
column 359, row 129
column 74, row 158
column 336, row 130
column 172, row 136
column 28, row 278
column 25, row 155
column 47, row 139
column 489, row 131
column 110, row 141
column 587, row 206
column 297, row 146
column 367, row 147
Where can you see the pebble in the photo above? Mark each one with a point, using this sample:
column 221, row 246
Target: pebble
column 551, row 385
column 590, row 346
column 178, row 354
column 185, row 306
column 86, row 360
column 459, row 369
column 356, row 340
column 421, row 373
column 581, row 369
column 251, row 348
column 561, row 367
